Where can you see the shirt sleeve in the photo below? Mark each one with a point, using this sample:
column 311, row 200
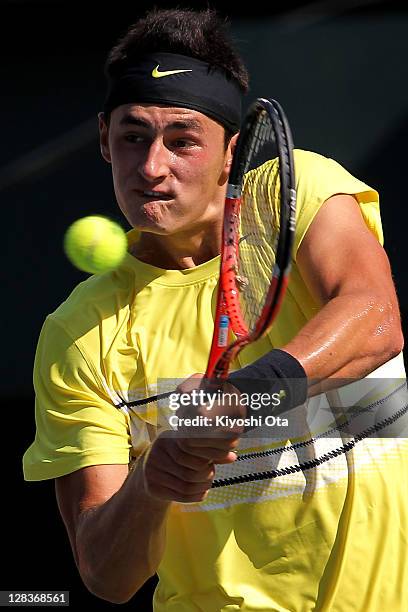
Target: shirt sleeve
column 319, row 178
column 77, row 425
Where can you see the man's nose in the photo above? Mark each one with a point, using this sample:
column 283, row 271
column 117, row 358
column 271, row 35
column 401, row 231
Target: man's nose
column 155, row 164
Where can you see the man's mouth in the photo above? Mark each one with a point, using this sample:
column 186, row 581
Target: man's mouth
column 156, row 196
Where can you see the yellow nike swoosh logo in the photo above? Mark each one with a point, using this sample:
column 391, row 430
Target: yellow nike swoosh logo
column 158, row 75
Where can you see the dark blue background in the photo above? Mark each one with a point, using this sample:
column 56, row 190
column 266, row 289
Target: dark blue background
column 340, row 74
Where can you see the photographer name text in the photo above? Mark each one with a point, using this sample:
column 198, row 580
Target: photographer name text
column 224, row 421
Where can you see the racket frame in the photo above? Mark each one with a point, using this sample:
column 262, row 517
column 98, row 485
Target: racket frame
column 228, row 304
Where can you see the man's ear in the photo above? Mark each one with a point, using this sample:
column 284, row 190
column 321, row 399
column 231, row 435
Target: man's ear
column 229, row 153
column 104, row 138
column 231, row 149
column 233, row 144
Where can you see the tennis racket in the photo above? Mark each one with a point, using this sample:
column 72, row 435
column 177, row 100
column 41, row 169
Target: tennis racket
column 257, row 239
column 258, row 234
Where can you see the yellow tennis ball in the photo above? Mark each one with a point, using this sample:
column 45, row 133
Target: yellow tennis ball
column 95, row 244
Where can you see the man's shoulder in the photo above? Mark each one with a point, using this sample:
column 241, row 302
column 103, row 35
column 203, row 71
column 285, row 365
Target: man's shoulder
column 306, row 160
column 91, row 303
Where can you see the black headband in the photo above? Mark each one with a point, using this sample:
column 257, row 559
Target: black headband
column 178, row 80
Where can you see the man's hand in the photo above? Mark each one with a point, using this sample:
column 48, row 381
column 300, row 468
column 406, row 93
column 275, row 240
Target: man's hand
column 180, row 465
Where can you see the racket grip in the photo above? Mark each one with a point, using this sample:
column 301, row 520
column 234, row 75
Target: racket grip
column 219, row 341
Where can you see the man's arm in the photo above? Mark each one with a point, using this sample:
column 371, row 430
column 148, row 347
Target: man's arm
column 347, row 271
column 116, row 520
column 116, row 530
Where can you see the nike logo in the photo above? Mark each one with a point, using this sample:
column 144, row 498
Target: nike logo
column 158, row 75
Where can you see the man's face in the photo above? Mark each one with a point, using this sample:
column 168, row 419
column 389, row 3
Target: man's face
column 169, row 167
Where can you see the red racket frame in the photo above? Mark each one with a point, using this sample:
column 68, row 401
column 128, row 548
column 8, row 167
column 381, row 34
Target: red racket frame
column 222, row 351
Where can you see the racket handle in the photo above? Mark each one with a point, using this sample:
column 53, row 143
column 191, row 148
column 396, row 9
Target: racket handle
column 220, row 337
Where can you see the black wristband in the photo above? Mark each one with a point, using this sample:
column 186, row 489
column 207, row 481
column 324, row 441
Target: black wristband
column 276, row 372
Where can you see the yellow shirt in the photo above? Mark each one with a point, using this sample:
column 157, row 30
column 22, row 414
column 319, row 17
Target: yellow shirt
column 261, row 545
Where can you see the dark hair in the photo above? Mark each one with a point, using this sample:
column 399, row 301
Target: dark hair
column 199, row 34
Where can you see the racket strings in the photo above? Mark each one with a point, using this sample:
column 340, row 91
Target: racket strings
column 259, row 223
column 259, row 130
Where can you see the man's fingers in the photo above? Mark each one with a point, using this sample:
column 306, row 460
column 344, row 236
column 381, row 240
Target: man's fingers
column 191, row 383
column 215, row 455
column 178, row 469
column 202, row 472
column 185, row 459
column 191, row 443
column 157, row 481
column 196, row 457
column 194, row 453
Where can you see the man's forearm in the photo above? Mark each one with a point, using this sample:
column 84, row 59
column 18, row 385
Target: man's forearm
column 351, row 336
column 121, row 542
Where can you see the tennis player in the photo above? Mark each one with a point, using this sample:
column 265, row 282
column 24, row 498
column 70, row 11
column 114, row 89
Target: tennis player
column 168, row 129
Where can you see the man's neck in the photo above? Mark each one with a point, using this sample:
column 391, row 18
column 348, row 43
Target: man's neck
column 176, row 252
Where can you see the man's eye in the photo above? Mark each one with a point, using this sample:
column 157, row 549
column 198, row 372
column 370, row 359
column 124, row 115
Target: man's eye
column 134, row 138
column 182, row 144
